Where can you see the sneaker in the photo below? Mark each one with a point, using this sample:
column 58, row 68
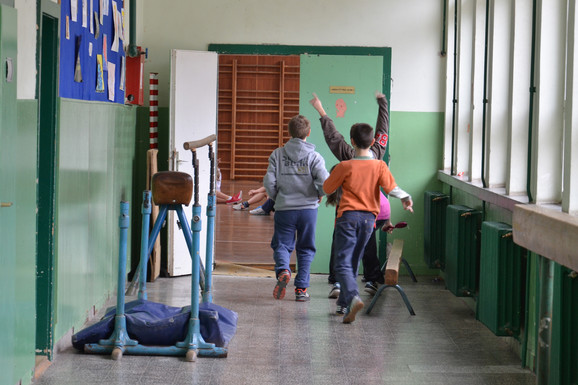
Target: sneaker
column 241, row 206
column 355, row 306
column 282, row 281
column 340, row 310
column 235, row 198
column 335, row 290
column 301, row 294
column 370, row 287
column 258, row 211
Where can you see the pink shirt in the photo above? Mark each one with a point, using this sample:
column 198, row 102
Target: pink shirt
column 385, row 210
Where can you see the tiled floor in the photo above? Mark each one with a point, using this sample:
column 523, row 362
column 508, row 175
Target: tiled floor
column 288, row 342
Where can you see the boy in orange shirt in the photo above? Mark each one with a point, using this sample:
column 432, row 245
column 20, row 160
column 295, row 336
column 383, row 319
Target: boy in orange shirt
column 360, row 178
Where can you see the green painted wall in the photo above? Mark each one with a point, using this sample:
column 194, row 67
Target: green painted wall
column 96, row 155
column 141, row 146
column 415, row 148
column 18, row 321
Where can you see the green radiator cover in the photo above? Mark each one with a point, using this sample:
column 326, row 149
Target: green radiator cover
column 499, row 300
column 435, row 204
column 462, row 249
column 564, row 343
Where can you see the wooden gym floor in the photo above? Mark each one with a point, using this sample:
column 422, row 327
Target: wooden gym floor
column 240, row 237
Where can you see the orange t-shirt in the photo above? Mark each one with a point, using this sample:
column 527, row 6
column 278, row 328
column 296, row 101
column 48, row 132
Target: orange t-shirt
column 360, row 179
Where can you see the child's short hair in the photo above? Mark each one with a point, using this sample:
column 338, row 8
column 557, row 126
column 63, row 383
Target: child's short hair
column 299, row 127
column 362, row 134
column 334, row 198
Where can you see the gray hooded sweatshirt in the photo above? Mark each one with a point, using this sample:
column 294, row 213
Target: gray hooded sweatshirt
column 295, row 176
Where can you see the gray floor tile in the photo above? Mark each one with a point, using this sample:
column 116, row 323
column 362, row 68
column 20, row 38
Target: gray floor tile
column 286, row 342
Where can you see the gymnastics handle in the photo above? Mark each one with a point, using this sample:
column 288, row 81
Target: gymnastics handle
column 194, row 144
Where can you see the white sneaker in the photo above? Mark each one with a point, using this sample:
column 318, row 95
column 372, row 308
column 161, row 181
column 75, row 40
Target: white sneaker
column 240, row 206
column 355, row 306
column 258, row 211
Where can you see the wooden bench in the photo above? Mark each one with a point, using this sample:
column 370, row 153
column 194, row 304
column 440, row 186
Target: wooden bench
column 392, row 275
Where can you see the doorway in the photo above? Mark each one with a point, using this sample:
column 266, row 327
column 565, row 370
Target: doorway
column 258, row 95
column 235, row 239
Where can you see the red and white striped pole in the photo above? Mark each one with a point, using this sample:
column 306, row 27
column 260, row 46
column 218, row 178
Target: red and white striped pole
column 153, row 109
column 152, row 166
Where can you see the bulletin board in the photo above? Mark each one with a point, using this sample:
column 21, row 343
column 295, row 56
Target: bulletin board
column 92, row 58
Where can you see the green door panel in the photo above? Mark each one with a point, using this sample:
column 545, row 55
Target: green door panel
column 47, row 135
column 362, row 75
column 17, row 220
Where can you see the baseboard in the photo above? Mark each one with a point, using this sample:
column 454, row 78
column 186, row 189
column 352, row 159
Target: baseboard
column 42, row 363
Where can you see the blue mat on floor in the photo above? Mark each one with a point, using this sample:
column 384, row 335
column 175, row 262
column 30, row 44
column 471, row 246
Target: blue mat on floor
column 155, row 324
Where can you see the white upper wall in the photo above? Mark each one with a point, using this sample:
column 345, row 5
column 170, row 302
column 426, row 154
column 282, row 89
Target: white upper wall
column 412, row 28
column 26, row 59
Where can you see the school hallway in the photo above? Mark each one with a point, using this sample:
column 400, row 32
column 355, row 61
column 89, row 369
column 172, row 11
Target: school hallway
column 289, row 342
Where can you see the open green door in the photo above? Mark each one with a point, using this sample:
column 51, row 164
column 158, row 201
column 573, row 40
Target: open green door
column 47, row 158
column 346, row 86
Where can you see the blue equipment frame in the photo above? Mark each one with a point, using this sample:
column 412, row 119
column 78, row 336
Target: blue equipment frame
column 119, row 342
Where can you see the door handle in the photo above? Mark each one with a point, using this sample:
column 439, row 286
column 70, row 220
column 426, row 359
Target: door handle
column 9, row 70
column 5, row 204
column 176, row 161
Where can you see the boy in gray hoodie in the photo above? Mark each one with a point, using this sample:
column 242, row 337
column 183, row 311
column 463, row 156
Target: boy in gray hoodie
column 294, row 180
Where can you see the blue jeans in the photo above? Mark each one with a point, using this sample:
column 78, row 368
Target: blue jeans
column 295, row 229
column 371, row 265
column 352, row 231
column 268, row 206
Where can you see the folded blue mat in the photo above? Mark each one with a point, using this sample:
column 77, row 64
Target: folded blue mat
column 155, row 324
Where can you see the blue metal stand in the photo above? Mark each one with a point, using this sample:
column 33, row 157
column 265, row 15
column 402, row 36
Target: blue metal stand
column 211, row 211
column 400, row 291
column 194, row 344
column 119, row 340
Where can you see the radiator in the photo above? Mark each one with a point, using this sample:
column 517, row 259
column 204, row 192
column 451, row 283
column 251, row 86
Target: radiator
column 434, row 229
column 564, row 340
column 462, row 249
column 500, row 294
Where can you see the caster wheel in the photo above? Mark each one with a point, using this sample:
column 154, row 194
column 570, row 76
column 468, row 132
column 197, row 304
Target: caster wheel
column 191, row 356
column 116, row 354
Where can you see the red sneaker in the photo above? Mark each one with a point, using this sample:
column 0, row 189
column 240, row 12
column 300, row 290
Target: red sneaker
column 235, row 198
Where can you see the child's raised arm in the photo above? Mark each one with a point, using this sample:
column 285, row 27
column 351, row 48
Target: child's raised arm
column 316, row 103
column 381, row 127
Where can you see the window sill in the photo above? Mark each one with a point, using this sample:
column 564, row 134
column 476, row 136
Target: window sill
column 547, row 232
column 496, row 196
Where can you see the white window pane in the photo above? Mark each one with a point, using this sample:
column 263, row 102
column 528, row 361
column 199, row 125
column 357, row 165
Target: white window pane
column 548, row 109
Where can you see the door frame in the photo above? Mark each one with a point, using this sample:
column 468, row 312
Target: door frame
column 263, row 49
column 47, row 87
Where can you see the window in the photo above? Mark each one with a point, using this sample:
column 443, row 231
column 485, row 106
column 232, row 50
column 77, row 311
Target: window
column 510, row 98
